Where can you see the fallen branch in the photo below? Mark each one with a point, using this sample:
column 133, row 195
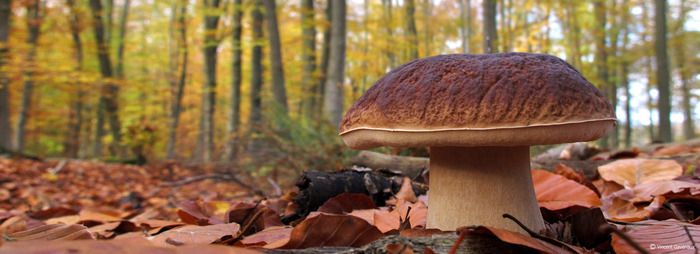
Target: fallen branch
column 409, row 166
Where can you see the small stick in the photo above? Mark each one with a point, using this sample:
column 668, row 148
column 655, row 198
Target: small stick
column 540, row 237
column 611, row 229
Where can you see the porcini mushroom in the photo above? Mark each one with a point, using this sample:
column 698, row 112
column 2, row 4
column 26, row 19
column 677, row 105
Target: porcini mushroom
column 479, row 114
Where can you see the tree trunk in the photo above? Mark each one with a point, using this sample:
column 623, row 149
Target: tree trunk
column 662, row 71
column 256, row 79
column 465, row 8
column 119, row 72
column 428, row 38
column 308, row 56
column 109, row 91
column 178, row 85
column 601, row 57
column 684, row 73
column 33, row 27
column 649, row 72
column 490, row 35
column 5, row 130
column 624, row 72
column 211, row 44
column 276, row 65
column 72, row 142
column 323, row 67
column 333, row 99
column 236, row 80
column 388, row 26
column 411, row 32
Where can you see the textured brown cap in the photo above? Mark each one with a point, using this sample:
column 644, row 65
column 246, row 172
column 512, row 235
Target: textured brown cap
column 478, row 100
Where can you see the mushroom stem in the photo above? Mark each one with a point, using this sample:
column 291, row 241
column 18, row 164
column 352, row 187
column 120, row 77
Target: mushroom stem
column 477, row 185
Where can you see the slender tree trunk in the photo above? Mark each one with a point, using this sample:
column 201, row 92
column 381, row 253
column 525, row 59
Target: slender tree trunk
column 5, row 130
column 256, row 79
column 109, row 92
column 490, row 35
column 178, row 84
column 684, row 74
column 411, row 31
column 465, row 8
column 428, row 38
column 323, row 68
column 365, row 49
column 211, row 45
column 277, row 68
column 119, row 71
column 388, row 26
column 624, row 71
column 662, row 71
column 33, row 27
column 333, row 99
column 648, row 64
column 236, row 80
column 73, row 139
column 601, row 58
column 308, row 56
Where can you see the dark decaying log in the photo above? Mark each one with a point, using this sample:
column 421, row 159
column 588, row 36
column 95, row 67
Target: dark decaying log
column 317, row 187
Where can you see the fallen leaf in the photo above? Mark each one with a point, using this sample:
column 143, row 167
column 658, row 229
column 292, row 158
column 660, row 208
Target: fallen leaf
column 555, row 192
column 346, row 203
column 134, row 245
column 258, row 216
column 268, row 235
column 518, row 239
column 406, row 192
column 192, row 234
column 671, row 150
column 51, row 232
column 659, row 237
column 191, row 212
column 631, row 172
column 321, row 229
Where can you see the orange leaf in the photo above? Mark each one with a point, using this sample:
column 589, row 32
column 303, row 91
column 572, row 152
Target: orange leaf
column 321, row 229
column 192, row 234
column 660, row 237
column 555, row 192
column 268, row 235
column 631, row 172
column 347, row 202
column 518, row 239
column 52, row 232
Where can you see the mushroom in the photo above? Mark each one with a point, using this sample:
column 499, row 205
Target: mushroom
column 479, row 114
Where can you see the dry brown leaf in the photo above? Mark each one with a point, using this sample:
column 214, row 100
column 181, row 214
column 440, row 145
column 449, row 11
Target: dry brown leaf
column 268, row 235
column 192, row 234
column 406, row 192
column 660, row 237
column 632, row 172
column 556, row 192
column 518, row 239
column 243, row 212
column 51, row 232
column 191, row 212
column 617, row 207
column 321, row 229
column 671, row 150
column 347, row 202
column 134, row 245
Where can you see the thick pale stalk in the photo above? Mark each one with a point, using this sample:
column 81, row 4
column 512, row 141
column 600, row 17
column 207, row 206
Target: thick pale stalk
column 477, row 185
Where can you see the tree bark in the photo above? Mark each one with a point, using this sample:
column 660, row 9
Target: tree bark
column 211, row 45
column 178, row 85
column 5, row 129
column 388, row 22
column 276, row 65
column 73, row 140
column 684, row 73
column 119, row 71
column 662, row 71
column 308, row 56
column 411, row 32
column 601, row 58
column 109, row 91
column 333, row 98
column 323, row 68
column 465, row 8
column 33, row 27
column 255, row 116
column 490, row 35
column 236, row 80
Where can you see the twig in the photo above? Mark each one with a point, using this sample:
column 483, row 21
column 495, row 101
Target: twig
column 275, row 186
column 606, row 228
column 455, row 247
column 58, row 167
column 540, row 237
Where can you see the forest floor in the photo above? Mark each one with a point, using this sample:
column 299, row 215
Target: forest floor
column 630, row 201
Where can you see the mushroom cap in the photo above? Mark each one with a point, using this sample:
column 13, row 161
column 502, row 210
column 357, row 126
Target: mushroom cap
column 509, row 99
